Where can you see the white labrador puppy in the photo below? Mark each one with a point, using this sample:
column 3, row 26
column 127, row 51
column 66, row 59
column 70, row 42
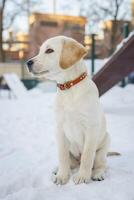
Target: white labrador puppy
column 81, row 128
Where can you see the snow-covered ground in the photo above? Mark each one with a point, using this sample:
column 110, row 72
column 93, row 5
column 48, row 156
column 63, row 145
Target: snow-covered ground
column 28, row 151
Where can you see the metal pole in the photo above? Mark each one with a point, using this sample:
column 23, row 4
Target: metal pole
column 54, row 6
column 28, row 14
column 22, row 69
column 93, row 54
column 125, row 34
column 125, row 30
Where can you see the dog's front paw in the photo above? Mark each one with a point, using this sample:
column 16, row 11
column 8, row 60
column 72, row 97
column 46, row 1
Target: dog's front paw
column 60, row 179
column 55, row 171
column 98, row 175
column 81, row 178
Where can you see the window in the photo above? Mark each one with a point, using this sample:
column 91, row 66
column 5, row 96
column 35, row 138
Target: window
column 46, row 23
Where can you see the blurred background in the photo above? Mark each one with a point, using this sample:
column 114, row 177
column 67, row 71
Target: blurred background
column 28, row 152
column 25, row 24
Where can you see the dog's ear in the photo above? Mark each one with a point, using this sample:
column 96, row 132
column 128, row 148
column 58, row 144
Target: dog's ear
column 72, row 51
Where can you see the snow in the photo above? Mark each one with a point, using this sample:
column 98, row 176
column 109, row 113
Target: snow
column 28, row 152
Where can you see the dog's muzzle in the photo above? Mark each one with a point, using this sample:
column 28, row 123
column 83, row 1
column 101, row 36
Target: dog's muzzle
column 29, row 65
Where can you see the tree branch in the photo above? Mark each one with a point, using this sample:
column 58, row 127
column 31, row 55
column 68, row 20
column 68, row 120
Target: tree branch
column 12, row 18
column 106, row 10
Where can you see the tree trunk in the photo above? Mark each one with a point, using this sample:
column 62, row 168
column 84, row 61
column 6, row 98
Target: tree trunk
column 114, row 28
column 113, row 36
column 2, row 57
column 1, row 30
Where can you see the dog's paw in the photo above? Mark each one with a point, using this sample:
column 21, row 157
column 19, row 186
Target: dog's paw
column 98, row 175
column 55, row 171
column 80, row 178
column 60, row 179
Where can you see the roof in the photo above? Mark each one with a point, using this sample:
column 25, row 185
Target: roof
column 108, row 23
column 54, row 17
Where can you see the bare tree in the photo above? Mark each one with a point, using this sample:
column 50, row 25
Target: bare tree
column 97, row 11
column 22, row 7
column 2, row 7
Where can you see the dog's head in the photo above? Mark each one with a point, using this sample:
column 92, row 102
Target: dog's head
column 55, row 55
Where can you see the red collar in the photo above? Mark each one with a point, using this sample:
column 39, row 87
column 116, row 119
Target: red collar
column 69, row 84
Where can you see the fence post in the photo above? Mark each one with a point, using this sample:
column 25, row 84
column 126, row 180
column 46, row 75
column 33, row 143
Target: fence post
column 21, row 57
column 93, row 54
column 125, row 35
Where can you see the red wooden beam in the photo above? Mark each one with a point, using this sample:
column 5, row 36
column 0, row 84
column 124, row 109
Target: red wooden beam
column 121, row 64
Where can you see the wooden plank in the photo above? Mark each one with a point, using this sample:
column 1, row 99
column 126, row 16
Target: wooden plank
column 121, row 64
column 15, row 85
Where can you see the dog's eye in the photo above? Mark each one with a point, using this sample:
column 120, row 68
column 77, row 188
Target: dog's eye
column 49, row 51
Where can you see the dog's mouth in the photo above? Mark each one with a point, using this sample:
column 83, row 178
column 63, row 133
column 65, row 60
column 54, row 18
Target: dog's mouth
column 40, row 73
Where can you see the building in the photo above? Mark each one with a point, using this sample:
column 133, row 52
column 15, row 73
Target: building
column 114, row 33
column 16, row 47
column 44, row 26
column 132, row 11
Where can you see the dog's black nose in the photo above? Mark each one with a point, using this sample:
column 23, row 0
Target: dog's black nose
column 29, row 64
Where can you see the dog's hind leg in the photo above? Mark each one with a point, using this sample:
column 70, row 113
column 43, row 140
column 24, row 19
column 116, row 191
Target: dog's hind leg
column 74, row 162
column 99, row 168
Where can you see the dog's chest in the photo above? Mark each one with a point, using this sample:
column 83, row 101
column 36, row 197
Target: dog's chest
column 73, row 128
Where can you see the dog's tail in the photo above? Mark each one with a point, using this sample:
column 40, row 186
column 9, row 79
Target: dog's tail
column 113, row 153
